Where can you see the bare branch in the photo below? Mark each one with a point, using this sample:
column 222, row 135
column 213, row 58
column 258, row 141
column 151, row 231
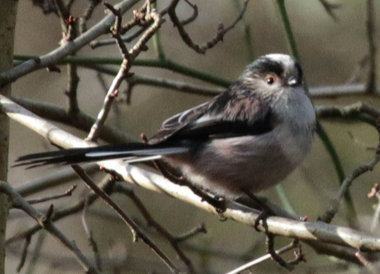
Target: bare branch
column 45, row 222
column 52, row 57
column 54, row 197
column 128, row 57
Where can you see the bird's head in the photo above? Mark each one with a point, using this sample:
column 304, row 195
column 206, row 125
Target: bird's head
column 272, row 74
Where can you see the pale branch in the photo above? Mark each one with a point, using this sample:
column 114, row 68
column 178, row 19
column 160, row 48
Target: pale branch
column 52, row 57
column 80, row 120
column 312, row 231
column 44, row 221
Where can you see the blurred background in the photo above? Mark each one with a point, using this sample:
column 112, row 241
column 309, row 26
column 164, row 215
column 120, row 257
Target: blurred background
column 330, row 52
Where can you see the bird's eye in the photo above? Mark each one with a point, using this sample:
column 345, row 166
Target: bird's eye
column 271, row 79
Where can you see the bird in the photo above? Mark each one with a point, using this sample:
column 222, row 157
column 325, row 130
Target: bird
column 248, row 138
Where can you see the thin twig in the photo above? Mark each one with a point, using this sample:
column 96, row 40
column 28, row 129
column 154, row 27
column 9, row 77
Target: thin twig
column 110, row 41
column 137, row 233
column 210, row 44
column 87, row 14
column 90, row 237
column 36, row 253
column 67, row 193
column 193, row 16
column 190, row 234
column 329, row 214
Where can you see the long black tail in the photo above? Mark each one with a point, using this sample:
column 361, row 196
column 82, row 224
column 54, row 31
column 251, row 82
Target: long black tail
column 133, row 152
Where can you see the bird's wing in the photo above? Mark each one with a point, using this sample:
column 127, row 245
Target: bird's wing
column 228, row 115
column 177, row 122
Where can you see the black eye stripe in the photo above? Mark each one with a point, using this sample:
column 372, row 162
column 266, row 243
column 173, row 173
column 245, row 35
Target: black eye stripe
column 265, row 65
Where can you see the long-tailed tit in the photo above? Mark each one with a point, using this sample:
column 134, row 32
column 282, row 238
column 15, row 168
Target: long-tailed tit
column 249, row 137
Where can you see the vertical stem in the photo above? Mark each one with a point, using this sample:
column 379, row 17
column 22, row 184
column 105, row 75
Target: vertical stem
column 288, row 28
column 246, row 31
column 157, row 41
column 8, row 11
column 351, row 212
column 371, row 81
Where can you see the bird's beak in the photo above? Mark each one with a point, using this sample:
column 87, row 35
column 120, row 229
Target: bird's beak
column 292, row 81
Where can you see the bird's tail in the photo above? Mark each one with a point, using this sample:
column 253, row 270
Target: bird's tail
column 133, row 152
